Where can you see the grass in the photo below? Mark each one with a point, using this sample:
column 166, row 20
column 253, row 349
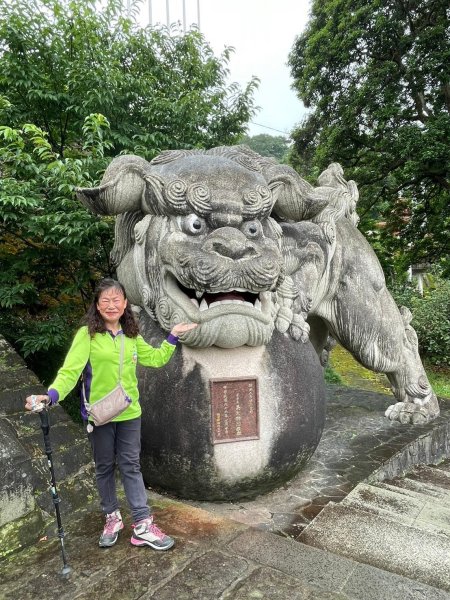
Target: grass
column 331, row 376
column 352, row 374
column 345, row 370
column 440, row 380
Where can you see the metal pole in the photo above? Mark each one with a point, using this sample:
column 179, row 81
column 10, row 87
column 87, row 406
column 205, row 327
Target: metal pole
column 167, row 13
column 150, row 16
column 184, row 16
column 45, row 426
column 198, row 14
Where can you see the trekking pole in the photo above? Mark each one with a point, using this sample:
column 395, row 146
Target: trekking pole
column 45, row 426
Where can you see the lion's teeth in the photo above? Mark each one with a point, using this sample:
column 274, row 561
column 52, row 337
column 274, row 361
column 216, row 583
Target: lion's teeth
column 221, row 302
column 205, row 306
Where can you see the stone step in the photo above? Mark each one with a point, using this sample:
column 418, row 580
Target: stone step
column 434, row 475
column 417, row 488
column 417, row 511
column 327, row 572
column 372, row 539
column 445, row 466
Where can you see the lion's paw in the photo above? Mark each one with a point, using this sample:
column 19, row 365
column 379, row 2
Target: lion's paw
column 408, row 412
column 299, row 329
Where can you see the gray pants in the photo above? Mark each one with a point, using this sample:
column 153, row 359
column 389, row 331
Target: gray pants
column 122, row 442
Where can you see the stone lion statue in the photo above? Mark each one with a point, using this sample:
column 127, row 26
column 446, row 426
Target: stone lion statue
column 242, row 245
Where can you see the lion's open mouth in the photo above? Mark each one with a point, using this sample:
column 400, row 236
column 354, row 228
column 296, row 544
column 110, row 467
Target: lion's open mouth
column 203, row 305
column 205, row 300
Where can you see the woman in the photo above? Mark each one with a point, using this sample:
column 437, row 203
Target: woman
column 95, row 352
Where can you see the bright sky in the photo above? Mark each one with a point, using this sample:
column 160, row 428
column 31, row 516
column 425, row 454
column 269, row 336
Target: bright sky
column 262, row 33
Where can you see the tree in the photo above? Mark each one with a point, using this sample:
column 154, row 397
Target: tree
column 275, row 146
column 51, row 249
column 375, row 76
column 79, row 83
column 61, row 60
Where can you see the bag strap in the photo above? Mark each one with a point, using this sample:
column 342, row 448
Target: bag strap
column 122, row 351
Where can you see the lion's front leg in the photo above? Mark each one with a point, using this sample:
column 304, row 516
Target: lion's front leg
column 366, row 321
column 417, row 403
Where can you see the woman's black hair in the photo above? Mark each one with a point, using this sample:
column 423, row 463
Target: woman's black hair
column 93, row 319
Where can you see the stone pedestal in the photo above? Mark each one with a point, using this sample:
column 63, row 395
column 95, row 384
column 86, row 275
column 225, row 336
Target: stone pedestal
column 230, row 423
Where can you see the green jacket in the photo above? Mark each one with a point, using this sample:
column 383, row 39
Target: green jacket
column 103, row 354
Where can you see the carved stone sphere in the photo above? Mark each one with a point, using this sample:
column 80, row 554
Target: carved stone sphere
column 226, row 424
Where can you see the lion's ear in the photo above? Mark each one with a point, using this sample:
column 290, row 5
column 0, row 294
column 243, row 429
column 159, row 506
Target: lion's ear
column 294, row 196
column 124, row 188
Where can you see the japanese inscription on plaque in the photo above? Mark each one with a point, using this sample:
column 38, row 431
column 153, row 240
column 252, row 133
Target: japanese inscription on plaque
column 234, row 405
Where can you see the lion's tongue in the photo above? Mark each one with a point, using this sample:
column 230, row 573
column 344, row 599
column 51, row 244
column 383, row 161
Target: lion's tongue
column 220, row 297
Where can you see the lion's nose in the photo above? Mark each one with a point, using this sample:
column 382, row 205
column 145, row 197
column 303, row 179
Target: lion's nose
column 230, row 243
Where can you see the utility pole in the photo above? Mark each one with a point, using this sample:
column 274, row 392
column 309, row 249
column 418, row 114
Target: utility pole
column 150, row 13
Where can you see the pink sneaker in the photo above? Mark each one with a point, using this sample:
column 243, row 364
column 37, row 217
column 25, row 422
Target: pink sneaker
column 111, row 530
column 146, row 533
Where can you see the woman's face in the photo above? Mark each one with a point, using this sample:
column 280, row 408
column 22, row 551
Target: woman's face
column 111, row 305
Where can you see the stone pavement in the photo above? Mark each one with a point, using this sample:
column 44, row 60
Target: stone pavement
column 358, row 442
column 214, row 558
column 229, row 551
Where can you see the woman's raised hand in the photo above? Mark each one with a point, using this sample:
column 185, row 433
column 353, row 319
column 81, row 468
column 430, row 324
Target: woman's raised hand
column 182, row 328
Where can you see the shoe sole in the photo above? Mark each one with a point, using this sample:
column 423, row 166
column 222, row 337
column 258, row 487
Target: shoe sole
column 140, row 543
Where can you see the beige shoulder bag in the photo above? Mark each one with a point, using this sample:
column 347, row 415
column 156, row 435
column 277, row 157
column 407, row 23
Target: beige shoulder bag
column 113, row 404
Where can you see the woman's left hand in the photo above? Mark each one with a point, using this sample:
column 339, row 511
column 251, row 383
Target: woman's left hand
column 33, row 402
column 182, row 328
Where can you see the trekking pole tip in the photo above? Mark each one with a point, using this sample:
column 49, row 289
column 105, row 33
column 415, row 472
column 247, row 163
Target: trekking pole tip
column 66, row 570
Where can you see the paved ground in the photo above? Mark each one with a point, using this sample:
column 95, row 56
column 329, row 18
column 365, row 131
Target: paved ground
column 357, row 440
column 214, row 558
column 218, row 554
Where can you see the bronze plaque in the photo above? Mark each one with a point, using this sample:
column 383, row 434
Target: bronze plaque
column 234, row 405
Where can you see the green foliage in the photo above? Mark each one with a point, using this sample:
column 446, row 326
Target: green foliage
column 274, row 146
column 51, row 249
column 61, row 60
column 431, row 319
column 439, row 379
column 79, row 84
column 375, row 74
column 331, row 376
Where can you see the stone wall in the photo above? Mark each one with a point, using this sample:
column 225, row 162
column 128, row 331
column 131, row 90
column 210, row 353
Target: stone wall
column 26, row 506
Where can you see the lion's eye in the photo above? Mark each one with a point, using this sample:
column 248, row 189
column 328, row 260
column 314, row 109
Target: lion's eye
column 252, row 229
column 193, row 225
